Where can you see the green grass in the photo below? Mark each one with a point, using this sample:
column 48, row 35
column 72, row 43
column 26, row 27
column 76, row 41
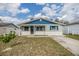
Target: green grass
column 73, row 36
column 34, row 46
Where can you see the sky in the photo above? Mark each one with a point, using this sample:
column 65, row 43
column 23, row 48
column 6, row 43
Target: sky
column 21, row 12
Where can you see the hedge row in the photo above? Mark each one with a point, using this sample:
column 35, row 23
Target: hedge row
column 7, row 37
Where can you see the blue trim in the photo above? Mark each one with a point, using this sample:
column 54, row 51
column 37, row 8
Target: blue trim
column 41, row 22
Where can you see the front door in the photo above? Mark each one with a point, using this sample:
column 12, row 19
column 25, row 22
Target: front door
column 31, row 29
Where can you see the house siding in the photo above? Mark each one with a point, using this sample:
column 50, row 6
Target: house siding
column 71, row 29
column 6, row 29
column 41, row 22
column 3, row 30
column 46, row 32
column 54, row 32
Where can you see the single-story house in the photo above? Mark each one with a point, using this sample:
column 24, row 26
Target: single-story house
column 5, row 28
column 72, row 28
column 40, row 27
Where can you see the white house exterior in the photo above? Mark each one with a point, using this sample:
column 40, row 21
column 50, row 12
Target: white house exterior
column 40, row 27
column 72, row 28
column 5, row 28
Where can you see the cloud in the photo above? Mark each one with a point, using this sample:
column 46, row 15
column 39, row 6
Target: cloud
column 26, row 10
column 52, row 10
column 60, row 18
column 47, row 4
column 8, row 10
column 8, row 19
column 40, row 3
column 39, row 15
column 53, row 6
column 12, row 8
column 72, row 11
column 48, row 11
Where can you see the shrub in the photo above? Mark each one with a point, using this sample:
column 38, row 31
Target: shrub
column 1, row 37
column 7, row 37
column 13, row 35
column 10, row 35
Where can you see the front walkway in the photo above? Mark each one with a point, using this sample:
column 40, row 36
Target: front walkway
column 70, row 44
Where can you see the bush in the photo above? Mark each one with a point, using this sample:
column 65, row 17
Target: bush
column 1, row 37
column 10, row 35
column 7, row 37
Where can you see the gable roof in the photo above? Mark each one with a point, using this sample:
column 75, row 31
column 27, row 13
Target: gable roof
column 39, row 21
column 7, row 24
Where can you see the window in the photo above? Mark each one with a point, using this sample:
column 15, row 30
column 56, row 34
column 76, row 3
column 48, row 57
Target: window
column 53, row 27
column 26, row 28
column 37, row 28
column 40, row 28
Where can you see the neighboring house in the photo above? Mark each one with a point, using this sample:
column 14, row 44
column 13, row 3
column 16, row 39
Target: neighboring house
column 72, row 28
column 5, row 28
column 40, row 27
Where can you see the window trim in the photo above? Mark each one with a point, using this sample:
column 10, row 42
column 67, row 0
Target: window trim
column 54, row 28
column 40, row 28
column 26, row 28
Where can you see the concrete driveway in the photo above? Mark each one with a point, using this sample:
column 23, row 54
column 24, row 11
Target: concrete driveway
column 68, row 43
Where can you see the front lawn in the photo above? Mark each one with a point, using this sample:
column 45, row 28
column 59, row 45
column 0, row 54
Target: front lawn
column 33, row 46
column 73, row 36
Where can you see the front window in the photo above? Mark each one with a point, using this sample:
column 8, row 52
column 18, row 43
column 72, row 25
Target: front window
column 26, row 28
column 40, row 28
column 53, row 27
